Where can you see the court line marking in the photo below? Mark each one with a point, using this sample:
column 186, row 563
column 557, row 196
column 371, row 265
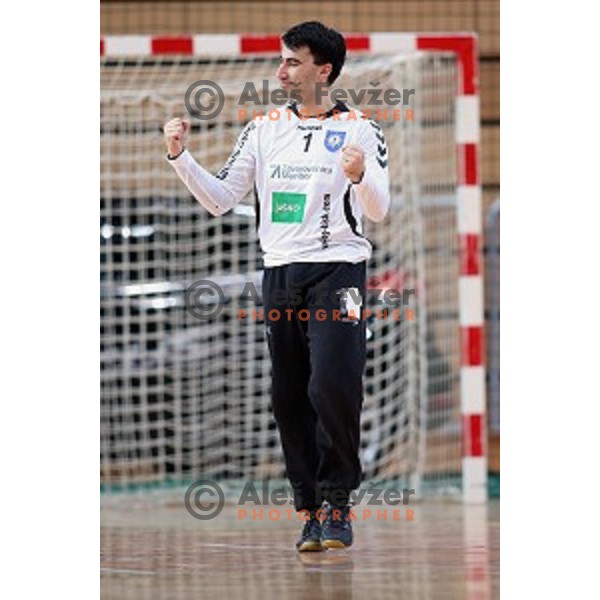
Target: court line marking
column 250, row 547
column 128, row 571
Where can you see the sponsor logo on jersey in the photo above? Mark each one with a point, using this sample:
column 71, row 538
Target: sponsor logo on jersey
column 334, row 140
column 324, row 222
column 298, row 172
column 287, row 207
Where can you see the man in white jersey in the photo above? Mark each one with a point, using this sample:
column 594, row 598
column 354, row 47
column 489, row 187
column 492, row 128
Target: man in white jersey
column 317, row 170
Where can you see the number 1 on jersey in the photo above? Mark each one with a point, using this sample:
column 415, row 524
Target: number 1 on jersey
column 308, row 138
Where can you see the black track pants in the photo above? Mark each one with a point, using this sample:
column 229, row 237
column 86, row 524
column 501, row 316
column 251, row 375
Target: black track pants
column 316, row 337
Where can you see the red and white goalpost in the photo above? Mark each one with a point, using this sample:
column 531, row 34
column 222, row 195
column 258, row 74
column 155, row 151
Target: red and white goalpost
column 469, row 367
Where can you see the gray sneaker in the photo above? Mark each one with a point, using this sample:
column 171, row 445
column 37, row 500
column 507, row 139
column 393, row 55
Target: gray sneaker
column 337, row 528
column 310, row 538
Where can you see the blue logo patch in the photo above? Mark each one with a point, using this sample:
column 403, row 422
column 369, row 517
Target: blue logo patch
column 334, row 140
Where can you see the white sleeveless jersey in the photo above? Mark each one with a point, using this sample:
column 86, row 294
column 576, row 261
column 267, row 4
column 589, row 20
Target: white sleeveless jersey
column 307, row 209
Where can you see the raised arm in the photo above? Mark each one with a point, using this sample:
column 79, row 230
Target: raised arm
column 366, row 165
column 217, row 193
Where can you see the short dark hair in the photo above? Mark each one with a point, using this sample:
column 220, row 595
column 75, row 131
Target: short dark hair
column 325, row 44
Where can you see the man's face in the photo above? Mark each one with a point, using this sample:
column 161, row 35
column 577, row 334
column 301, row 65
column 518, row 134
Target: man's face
column 298, row 67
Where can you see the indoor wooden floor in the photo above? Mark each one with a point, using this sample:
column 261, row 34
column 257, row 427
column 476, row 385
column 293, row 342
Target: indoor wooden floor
column 447, row 551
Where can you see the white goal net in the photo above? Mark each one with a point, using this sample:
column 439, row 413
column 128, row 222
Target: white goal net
column 182, row 397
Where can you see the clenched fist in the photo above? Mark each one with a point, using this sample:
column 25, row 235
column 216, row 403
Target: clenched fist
column 353, row 162
column 176, row 131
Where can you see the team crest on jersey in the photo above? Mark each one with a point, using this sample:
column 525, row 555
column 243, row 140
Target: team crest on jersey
column 334, row 140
